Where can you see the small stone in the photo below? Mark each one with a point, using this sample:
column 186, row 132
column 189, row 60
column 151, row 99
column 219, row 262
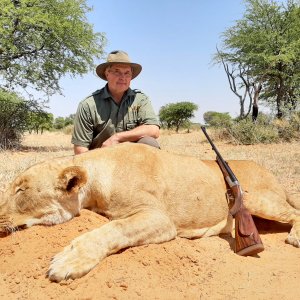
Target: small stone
column 124, row 286
column 17, row 280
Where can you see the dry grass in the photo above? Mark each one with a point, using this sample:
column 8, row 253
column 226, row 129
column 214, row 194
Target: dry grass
column 35, row 148
column 282, row 159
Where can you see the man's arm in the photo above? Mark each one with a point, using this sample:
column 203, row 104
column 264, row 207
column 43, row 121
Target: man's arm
column 132, row 135
column 83, row 128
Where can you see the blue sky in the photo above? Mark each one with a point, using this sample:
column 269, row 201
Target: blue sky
column 174, row 41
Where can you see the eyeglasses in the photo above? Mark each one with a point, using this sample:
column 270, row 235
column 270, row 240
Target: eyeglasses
column 117, row 73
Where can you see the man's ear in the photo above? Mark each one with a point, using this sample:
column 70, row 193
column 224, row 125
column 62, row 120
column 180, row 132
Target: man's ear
column 71, row 179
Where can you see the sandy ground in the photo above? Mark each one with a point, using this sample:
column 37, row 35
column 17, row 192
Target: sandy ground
column 180, row 269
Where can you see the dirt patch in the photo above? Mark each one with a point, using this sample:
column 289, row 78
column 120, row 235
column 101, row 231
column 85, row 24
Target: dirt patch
column 180, row 269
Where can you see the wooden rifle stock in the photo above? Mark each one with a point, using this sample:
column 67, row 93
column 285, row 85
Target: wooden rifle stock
column 247, row 239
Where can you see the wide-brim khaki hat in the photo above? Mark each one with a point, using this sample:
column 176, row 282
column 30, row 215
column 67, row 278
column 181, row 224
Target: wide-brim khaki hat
column 118, row 57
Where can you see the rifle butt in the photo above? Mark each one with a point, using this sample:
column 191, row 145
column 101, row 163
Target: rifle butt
column 102, row 136
column 247, row 239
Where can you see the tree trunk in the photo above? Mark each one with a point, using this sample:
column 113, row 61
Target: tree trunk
column 279, row 98
column 257, row 90
column 254, row 112
column 242, row 107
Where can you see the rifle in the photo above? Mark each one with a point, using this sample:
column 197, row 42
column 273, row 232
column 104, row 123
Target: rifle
column 102, row 136
column 247, row 239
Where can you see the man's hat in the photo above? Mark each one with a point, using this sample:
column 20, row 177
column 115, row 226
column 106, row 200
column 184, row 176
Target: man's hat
column 118, row 57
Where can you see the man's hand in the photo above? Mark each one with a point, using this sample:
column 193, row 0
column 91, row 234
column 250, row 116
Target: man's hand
column 80, row 149
column 132, row 135
column 113, row 140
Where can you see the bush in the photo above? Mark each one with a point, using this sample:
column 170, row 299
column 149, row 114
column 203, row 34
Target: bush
column 216, row 119
column 295, row 121
column 248, row 133
column 288, row 129
column 13, row 119
column 264, row 130
column 284, row 129
column 68, row 129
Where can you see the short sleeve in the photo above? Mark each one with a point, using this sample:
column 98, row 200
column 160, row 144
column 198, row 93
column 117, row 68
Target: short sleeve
column 83, row 126
column 145, row 111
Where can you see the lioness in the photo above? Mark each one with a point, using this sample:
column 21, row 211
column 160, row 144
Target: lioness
column 150, row 196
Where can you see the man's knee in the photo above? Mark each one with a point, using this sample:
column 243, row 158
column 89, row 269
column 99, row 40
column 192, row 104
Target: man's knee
column 148, row 140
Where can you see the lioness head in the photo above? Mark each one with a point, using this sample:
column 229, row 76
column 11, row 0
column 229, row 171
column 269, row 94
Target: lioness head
column 46, row 193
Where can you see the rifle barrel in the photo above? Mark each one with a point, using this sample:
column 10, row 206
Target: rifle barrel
column 224, row 163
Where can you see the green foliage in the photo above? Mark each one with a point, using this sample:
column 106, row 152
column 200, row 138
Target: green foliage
column 40, row 121
column 11, row 112
column 14, row 118
column 265, row 44
column 177, row 114
column 248, row 133
column 295, row 121
column 43, row 40
column 265, row 130
column 166, row 117
column 216, row 119
column 69, row 120
column 59, row 123
column 288, row 129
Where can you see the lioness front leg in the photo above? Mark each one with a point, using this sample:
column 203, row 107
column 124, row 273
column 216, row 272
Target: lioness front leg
column 87, row 250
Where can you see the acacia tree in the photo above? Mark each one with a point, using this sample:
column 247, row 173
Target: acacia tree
column 217, row 119
column 40, row 121
column 43, row 40
column 265, row 43
column 243, row 86
column 177, row 114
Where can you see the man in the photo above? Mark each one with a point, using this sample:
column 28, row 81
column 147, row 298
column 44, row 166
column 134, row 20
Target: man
column 116, row 113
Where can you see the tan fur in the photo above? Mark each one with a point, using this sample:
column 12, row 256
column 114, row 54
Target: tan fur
column 149, row 195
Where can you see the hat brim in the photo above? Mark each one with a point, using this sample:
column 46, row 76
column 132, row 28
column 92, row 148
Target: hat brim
column 100, row 70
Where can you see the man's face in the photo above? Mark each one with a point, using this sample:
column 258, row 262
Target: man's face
column 118, row 78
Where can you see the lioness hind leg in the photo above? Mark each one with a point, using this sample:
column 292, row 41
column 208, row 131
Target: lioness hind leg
column 294, row 236
column 224, row 226
column 87, row 250
column 275, row 206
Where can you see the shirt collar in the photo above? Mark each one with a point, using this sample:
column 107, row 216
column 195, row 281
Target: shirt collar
column 106, row 93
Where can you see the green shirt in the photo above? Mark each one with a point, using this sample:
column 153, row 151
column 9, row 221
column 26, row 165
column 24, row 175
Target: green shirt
column 99, row 111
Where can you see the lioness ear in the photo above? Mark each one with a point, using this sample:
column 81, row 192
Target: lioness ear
column 72, row 178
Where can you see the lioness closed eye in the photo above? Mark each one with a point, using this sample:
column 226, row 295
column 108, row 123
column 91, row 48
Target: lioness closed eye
column 150, row 196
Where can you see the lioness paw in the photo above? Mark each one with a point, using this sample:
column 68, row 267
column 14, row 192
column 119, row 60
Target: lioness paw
column 293, row 240
column 73, row 262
